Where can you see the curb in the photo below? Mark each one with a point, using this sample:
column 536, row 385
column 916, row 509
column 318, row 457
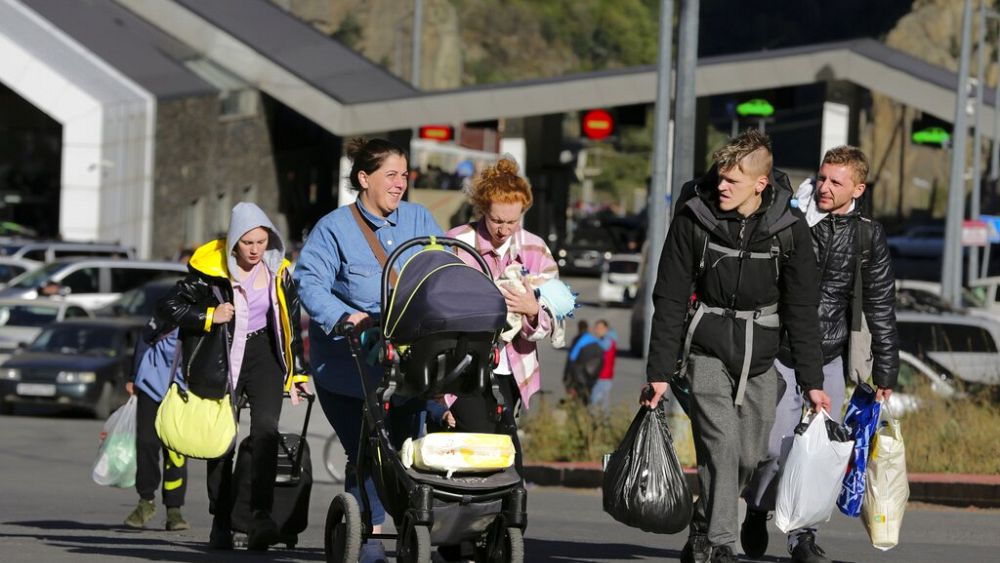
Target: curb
column 981, row 491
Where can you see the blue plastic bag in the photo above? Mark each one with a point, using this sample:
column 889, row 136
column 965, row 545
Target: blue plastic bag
column 862, row 418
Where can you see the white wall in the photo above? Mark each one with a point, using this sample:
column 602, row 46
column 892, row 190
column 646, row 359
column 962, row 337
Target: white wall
column 108, row 126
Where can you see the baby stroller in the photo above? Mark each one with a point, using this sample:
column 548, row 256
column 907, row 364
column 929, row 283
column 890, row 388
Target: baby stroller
column 440, row 329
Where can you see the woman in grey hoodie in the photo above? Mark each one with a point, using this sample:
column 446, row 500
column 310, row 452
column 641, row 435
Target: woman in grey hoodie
column 238, row 314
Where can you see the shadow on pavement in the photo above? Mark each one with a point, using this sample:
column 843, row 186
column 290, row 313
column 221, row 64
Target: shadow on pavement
column 127, row 543
column 540, row 550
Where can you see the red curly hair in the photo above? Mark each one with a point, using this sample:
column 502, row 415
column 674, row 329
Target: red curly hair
column 499, row 183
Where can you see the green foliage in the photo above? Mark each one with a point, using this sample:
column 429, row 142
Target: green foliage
column 350, row 32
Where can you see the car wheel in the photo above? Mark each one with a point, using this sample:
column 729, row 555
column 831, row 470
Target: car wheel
column 6, row 407
column 105, row 402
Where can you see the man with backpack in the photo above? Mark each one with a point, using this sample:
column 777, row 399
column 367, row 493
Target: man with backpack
column 841, row 236
column 747, row 254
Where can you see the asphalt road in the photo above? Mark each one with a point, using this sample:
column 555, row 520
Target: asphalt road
column 52, row 511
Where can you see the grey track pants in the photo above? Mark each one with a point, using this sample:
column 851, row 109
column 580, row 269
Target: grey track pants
column 730, row 442
column 762, row 491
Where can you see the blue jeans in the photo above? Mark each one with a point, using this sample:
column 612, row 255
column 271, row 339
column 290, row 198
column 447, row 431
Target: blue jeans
column 345, row 415
column 600, row 395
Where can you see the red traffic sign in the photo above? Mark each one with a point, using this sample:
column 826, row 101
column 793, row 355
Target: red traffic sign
column 975, row 233
column 437, row 132
column 598, row 124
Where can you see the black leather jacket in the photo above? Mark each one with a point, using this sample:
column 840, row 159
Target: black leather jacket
column 204, row 345
column 836, row 252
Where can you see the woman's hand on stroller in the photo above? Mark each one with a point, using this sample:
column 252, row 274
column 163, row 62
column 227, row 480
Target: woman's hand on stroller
column 299, row 391
column 360, row 320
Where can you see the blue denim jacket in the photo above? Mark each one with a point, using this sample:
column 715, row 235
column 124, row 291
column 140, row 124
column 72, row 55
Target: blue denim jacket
column 338, row 275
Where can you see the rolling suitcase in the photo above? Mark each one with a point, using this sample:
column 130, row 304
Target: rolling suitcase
column 292, row 485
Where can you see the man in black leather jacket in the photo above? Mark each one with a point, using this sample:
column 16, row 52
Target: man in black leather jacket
column 836, row 223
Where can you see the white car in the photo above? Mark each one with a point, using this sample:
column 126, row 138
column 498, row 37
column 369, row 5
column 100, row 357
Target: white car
column 964, row 346
column 22, row 319
column 11, row 267
column 979, row 299
column 620, row 279
column 911, row 371
column 90, row 283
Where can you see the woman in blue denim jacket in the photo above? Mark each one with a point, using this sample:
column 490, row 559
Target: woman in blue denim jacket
column 340, row 279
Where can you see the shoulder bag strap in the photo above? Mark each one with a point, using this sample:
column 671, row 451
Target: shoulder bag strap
column 856, row 295
column 373, row 242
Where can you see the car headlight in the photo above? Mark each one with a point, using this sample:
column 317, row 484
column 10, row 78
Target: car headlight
column 10, row 374
column 76, row 377
column 607, row 256
column 562, row 252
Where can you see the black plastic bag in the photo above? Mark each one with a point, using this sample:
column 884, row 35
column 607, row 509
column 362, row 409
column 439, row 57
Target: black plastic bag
column 644, row 486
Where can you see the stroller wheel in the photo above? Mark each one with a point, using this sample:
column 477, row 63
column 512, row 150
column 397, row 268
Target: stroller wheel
column 342, row 540
column 414, row 545
column 508, row 548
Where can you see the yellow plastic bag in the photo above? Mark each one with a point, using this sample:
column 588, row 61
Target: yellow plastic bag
column 887, row 488
column 196, row 427
column 459, row 452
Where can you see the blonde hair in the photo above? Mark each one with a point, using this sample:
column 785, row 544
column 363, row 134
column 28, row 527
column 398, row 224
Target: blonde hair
column 499, row 183
column 750, row 151
column 847, row 155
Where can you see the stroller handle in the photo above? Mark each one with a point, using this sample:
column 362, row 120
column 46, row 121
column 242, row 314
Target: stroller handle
column 425, row 241
column 344, row 328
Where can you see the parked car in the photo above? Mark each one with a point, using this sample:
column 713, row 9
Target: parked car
column 925, row 296
column 77, row 363
column 913, row 372
column 962, row 346
column 620, row 279
column 586, row 252
column 49, row 251
column 90, row 283
column 22, row 319
column 924, row 241
column 139, row 302
column 10, row 268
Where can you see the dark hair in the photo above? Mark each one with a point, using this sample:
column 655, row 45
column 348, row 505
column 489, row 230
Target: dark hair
column 367, row 155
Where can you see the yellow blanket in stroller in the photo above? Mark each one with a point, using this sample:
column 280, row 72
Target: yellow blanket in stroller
column 451, row 452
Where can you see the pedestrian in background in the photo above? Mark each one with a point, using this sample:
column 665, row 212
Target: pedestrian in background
column 240, row 294
column 607, row 338
column 151, row 376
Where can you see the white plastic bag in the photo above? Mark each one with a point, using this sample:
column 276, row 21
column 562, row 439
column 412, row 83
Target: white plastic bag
column 811, row 477
column 116, row 455
column 887, row 488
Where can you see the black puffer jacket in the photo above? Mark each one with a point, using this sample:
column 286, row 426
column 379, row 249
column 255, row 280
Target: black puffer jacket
column 741, row 284
column 204, row 345
column 834, row 240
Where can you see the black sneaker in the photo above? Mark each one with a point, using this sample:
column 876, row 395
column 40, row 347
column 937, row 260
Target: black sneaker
column 753, row 533
column 723, row 554
column 221, row 536
column 263, row 532
column 696, row 550
column 806, row 550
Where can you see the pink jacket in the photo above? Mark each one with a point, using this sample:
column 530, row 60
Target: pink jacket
column 531, row 252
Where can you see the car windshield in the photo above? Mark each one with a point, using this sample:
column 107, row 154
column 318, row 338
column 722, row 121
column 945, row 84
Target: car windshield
column 70, row 339
column 35, row 278
column 27, row 315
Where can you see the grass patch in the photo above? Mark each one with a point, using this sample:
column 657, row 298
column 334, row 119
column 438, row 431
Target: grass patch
column 573, row 432
column 953, row 436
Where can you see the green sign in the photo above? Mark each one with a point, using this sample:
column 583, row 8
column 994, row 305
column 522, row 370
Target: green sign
column 931, row 136
column 756, row 107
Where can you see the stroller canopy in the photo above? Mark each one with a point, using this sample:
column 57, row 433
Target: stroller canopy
column 437, row 292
